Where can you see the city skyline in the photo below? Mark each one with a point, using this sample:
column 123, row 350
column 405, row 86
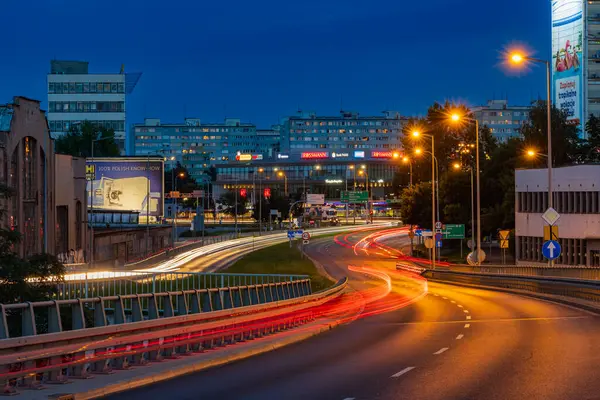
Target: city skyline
column 266, row 64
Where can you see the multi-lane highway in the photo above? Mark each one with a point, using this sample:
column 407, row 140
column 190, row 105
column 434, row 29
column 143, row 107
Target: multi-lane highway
column 449, row 343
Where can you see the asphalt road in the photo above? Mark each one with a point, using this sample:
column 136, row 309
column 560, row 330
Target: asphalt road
column 455, row 343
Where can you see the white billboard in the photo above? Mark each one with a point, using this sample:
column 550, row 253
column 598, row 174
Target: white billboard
column 315, row 199
column 567, row 58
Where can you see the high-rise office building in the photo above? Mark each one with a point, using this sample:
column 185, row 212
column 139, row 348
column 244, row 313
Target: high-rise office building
column 75, row 96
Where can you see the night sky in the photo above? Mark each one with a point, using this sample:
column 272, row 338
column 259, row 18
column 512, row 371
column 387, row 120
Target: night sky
column 262, row 60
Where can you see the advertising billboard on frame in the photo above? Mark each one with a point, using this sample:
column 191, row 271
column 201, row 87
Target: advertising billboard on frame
column 126, row 184
column 567, row 58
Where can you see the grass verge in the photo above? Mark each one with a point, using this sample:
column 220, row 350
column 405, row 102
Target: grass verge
column 280, row 259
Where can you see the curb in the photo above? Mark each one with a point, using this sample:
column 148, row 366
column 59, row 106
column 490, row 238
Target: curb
column 592, row 308
column 167, row 374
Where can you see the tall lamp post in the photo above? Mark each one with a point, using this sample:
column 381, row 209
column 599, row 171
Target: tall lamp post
column 457, row 166
column 364, row 171
column 518, row 59
column 282, row 174
column 417, row 134
column 353, row 168
column 408, row 161
column 419, row 151
column 457, row 118
column 260, row 194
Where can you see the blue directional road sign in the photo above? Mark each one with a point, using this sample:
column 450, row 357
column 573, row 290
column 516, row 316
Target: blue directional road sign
column 438, row 236
column 418, row 232
column 438, row 244
column 551, row 249
column 294, row 234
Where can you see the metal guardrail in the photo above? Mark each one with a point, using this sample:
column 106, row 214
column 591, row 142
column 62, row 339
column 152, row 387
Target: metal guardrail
column 132, row 282
column 205, row 319
column 576, row 288
column 578, row 272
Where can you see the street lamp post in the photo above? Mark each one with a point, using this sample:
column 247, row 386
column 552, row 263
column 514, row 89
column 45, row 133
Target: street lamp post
column 364, row 171
column 417, row 134
column 437, row 188
column 408, row 161
column 260, row 193
column 456, row 118
column 458, row 166
column 353, row 168
column 518, row 58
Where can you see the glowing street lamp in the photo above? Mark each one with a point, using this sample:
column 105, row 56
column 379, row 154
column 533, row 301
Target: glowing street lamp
column 284, row 176
column 458, row 167
column 518, row 58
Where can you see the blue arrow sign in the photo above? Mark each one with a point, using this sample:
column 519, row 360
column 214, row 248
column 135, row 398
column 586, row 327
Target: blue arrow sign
column 418, row 232
column 438, row 244
column 551, row 249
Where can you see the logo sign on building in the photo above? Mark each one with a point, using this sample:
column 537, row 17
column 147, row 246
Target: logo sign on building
column 359, row 154
column 315, row 199
column 244, row 157
column 382, row 154
column 567, row 58
column 283, row 156
column 340, row 155
column 333, row 181
column 126, row 184
column 311, row 155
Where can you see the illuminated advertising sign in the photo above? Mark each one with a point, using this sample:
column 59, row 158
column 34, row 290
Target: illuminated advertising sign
column 567, row 58
column 340, row 155
column 248, row 157
column 126, row 184
column 283, row 156
column 359, row 154
column 314, row 155
column 382, row 154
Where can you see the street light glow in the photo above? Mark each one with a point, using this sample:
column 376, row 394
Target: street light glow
column 280, row 173
column 396, row 155
column 517, row 58
column 317, row 167
column 456, row 166
column 416, row 133
column 363, row 166
column 455, row 117
column 418, row 151
column 351, row 166
column 405, row 159
column 261, row 170
column 361, row 172
column 531, row 153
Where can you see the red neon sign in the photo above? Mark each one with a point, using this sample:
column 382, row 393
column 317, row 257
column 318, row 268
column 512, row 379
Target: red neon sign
column 382, row 154
column 267, row 193
column 314, row 154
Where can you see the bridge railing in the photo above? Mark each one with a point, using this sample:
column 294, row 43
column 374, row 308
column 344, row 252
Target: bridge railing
column 116, row 283
column 577, row 272
column 204, row 319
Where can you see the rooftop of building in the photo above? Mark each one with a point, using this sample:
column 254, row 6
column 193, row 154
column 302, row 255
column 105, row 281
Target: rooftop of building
column 345, row 115
column 499, row 105
column 192, row 123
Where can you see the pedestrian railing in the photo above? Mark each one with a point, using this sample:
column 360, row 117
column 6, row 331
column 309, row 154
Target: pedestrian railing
column 100, row 284
column 577, row 272
column 141, row 331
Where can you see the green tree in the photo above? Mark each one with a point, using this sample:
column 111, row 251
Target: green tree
column 232, row 202
column 592, row 144
column 415, row 208
column 78, row 141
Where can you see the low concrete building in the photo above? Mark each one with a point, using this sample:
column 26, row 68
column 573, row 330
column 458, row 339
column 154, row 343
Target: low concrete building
column 576, row 197
column 48, row 197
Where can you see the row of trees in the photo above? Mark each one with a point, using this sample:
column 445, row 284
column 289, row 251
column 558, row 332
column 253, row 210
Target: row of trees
column 454, row 144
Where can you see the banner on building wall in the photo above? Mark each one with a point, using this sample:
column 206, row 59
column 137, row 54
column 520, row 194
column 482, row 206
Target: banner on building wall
column 126, row 184
column 567, row 58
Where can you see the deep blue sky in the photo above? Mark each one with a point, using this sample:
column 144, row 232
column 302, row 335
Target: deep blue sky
column 261, row 60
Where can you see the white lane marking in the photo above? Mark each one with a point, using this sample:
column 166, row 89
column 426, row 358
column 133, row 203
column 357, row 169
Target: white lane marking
column 440, row 351
column 468, row 317
column 405, row 370
column 466, row 311
column 467, row 325
column 445, row 298
column 460, row 336
column 452, row 301
column 349, row 398
column 436, row 295
column 460, row 306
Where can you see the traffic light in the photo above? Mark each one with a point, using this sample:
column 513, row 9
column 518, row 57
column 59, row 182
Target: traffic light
column 267, row 193
column 243, row 192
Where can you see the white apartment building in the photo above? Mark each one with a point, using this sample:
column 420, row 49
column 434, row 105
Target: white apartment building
column 576, row 197
column 75, row 95
column 504, row 120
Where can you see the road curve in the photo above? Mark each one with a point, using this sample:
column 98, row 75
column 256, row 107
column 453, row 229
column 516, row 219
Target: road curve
column 454, row 343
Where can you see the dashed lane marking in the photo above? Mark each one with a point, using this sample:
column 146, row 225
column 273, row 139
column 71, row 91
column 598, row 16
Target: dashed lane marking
column 460, row 306
column 445, row 298
column 460, row 336
column 400, row 373
column 466, row 311
column 452, row 301
column 468, row 317
column 440, row 351
column 467, row 325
